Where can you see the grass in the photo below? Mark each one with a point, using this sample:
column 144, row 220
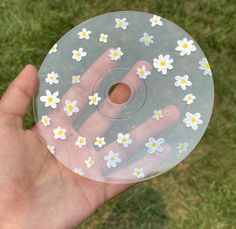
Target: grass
column 200, row 192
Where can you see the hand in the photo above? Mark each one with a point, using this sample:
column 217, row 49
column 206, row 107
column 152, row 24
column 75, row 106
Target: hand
column 37, row 191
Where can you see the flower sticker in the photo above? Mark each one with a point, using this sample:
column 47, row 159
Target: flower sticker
column 121, row 23
column 50, row 99
column 138, row 172
column 53, row 49
column 112, row 159
column 163, row 63
column 155, row 20
column 146, row 39
column 189, row 98
column 94, row 99
column 154, row 145
column 182, row 147
column 46, row 120
column 142, row 72
column 81, row 141
column 59, row 133
column 84, row 34
column 157, row 115
column 183, row 82
column 78, row 54
column 100, row 142
column 75, row 79
column 185, row 47
column 89, row 162
column 103, row 38
column 115, row 54
column 71, row 107
column 51, row 149
column 52, row 78
column 79, row 171
column 204, row 66
column 193, row 120
column 124, row 139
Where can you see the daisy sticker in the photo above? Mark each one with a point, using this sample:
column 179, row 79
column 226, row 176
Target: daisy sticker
column 157, row 115
column 183, row 82
column 75, row 79
column 185, row 47
column 112, row 159
column 115, row 54
column 51, row 149
column 81, row 141
column 52, row 78
column 50, row 99
column 46, row 120
column 89, row 162
column 163, row 63
column 204, row 66
column 100, row 142
column 154, row 145
column 155, row 20
column 53, row 49
column 124, row 139
column 189, row 98
column 94, row 99
column 84, row 34
column 138, row 172
column 121, row 23
column 146, row 39
column 71, row 107
column 59, row 133
column 103, row 38
column 182, row 147
column 193, row 120
column 78, row 54
column 142, row 72
column 79, row 171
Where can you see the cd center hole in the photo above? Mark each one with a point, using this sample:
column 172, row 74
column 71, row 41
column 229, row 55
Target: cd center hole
column 119, row 93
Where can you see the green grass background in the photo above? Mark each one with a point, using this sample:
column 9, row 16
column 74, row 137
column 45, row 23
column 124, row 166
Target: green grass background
column 200, row 192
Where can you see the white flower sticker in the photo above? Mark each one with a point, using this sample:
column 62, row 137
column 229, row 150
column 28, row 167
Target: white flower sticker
column 138, row 172
column 121, row 23
column 94, row 99
column 103, row 38
column 189, row 98
column 75, row 79
column 59, row 133
column 115, row 54
column 155, row 20
column 50, row 99
column 84, row 34
column 100, row 142
column 204, row 66
column 81, row 141
column 163, row 63
column 46, row 120
column 193, row 120
column 53, row 49
column 79, row 171
column 154, row 145
column 78, row 54
column 157, row 115
column 146, row 39
column 183, row 82
column 142, row 72
column 185, row 47
column 51, row 149
column 124, row 139
column 71, row 107
column 89, row 162
column 52, row 78
column 182, row 147
column 112, row 159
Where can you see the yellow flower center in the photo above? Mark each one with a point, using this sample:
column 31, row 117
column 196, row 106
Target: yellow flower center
column 60, row 132
column 162, row 63
column 138, row 173
column 146, row 39
column 124, row 139
column 155, row 21
column 120, row 23
column 70, row 108
column 45, row 121
column 158, row 115
column 142, row 72
column 185, row 45
column 181, row 147
column 115, row 54
column 207, row 66
column 50, row 99
column 194, row 120
column 51, row 77
column 154, row 145
column 94, row 99
column 189, row 98
column 78, row 54
column 112, row 158
column 183, row 81
column 100, row 142
column 84, row 34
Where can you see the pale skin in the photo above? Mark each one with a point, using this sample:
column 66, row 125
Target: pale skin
column 37, row 191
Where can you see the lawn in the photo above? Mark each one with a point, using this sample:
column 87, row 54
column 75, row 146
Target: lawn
column 200, row 192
